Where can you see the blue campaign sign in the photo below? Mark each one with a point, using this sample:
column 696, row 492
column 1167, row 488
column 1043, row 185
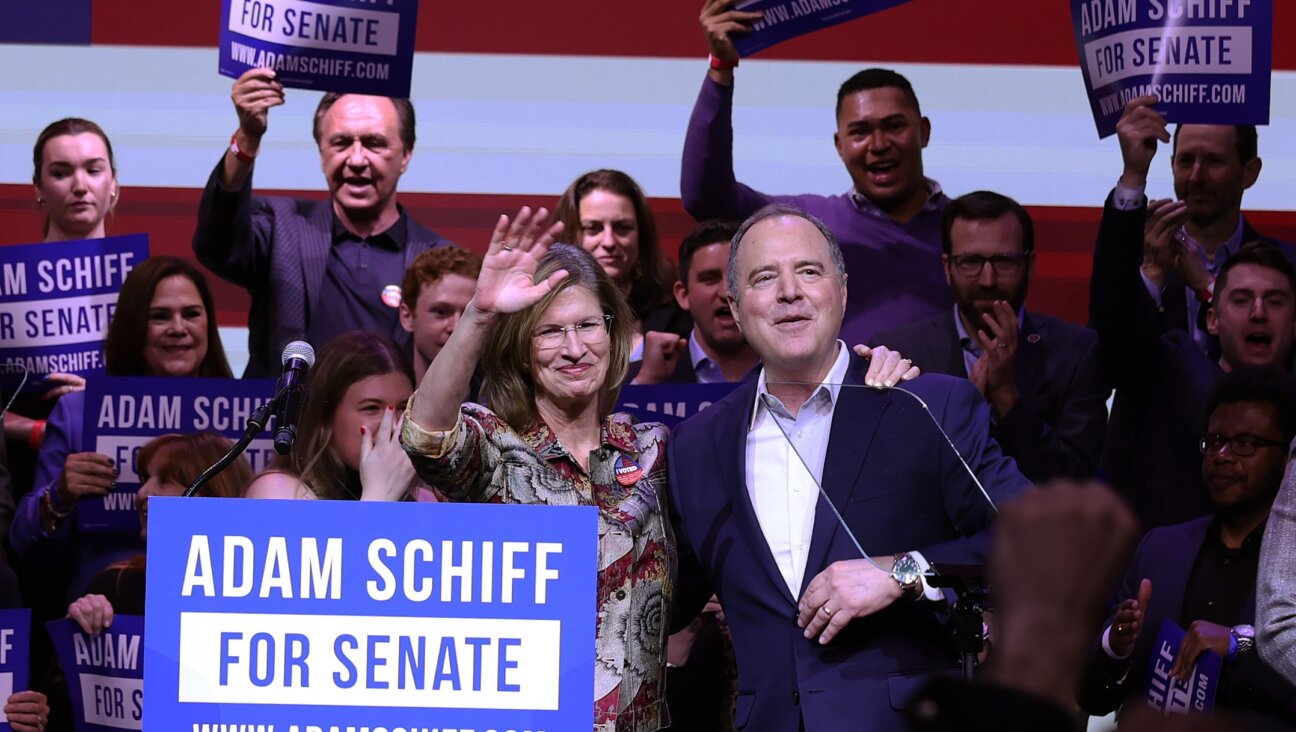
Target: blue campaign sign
column 15, row 654
column 786, row 19
column 56, row 301
column 337, row 614
column 1208, row 62
column 105, row 673
column 1168, row 696
column 348, row 46
column 670, row 404
column 123, row 413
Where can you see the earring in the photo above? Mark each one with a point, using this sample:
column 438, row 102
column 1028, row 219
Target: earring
column 40, row 202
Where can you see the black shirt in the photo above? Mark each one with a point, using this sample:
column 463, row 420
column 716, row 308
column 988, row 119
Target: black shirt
column 1222, row 579
column 358, row 270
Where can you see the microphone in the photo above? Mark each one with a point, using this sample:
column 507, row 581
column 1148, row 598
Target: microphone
column 298, row 357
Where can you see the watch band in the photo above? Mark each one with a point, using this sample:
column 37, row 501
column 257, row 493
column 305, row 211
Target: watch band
column 1244, row 637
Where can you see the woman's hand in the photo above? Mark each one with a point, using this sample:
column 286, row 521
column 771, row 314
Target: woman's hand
column 61, row 383
column 507, row 280
column 86, row 474
column 27, row 711
column 386, row 473
column 92, row 612
column 886, row 367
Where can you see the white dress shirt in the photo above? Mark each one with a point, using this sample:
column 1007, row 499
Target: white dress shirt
column 785, row 458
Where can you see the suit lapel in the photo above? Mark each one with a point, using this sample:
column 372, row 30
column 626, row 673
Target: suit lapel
column 856, row 416
column 1028, row 365
column 730, row 442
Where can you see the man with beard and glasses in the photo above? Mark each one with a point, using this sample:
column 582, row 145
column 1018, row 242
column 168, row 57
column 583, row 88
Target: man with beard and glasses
column 888, row 222
column 315, row 269
column 1201, row 575
column 1041, row 375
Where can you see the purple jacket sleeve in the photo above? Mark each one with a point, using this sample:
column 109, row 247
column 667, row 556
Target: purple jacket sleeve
column 708, row 188
column 62, row 438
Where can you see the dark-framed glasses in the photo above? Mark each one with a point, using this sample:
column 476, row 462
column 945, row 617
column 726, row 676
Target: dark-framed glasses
column 970, row 265
column 589, row 331
column 1241, row 445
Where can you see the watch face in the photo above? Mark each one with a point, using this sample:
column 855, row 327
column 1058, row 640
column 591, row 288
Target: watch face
column 906, row 570
column 1244, row 631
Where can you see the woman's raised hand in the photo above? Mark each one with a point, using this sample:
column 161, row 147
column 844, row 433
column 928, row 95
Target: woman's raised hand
column 507, row 280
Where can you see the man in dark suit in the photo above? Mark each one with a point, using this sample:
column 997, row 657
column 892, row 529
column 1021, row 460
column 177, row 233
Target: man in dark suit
column 315, row 269
column 1201, row 574
column 826, row 639
column 1041, row 375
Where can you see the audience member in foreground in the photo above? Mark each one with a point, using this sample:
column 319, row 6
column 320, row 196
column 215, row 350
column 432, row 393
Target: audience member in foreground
column 348, row 442
column 1201, row 575
column 822, row 635
column 164, row 325
column 551, row 330
column 888, row 222
column 1041, row 375
column 315, row 269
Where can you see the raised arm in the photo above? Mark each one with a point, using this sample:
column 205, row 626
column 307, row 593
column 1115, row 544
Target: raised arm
column 506, row 285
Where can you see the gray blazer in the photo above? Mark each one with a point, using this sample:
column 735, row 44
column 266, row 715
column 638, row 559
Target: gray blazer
column 1276, row 582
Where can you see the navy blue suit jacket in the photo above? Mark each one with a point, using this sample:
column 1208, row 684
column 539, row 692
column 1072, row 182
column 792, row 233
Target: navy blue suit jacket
column 277, row 249
column 1166, row 557
column 898, row 486
column 1056, row 429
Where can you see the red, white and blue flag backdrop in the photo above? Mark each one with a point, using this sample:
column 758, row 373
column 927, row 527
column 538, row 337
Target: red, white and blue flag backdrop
column 515, row 99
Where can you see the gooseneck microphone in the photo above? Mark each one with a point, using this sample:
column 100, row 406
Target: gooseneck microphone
column 298, row 357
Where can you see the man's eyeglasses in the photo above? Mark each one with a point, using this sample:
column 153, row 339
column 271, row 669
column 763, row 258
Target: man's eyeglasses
column 970, row 265
column 589, row 331
column 1243, row 445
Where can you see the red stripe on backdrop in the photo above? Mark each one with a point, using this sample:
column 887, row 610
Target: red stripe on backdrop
column 1018, row 32
column 1064, row 235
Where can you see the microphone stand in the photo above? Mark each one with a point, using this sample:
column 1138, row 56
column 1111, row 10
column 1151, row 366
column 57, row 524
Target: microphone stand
column 969, row 584
column 255, row 424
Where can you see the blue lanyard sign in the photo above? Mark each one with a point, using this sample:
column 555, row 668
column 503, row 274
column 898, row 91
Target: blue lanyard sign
column 787, row 19
column 1208, row 62
column 15, row 653
column 105, row 673
column 56, row 301
column 347, row 46
column 327, row 614
column 123, row 413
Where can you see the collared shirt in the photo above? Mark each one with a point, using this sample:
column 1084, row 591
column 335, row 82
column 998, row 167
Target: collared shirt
column 358, row 269
column 1129, row 199
column 483, row 459
column 785, row 458
column 865, row 204
column 705, row 370
column 1222, row 579
column 971, row 348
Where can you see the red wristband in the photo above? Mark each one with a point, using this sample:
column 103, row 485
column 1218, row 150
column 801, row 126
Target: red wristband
column 238, row 153
column 37, row 435
column 721, row 65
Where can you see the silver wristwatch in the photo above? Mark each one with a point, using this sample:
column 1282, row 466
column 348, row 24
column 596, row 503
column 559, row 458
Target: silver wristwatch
column 906, row 572
column 1244, row 635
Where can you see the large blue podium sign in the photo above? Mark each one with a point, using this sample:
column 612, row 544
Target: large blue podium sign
column 348, row 46
column 123, row 413
column 56, row 301
column 327, row 614
column 1208, row 62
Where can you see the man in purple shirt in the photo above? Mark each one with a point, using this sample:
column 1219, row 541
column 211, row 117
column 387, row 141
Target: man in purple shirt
column 888, row 223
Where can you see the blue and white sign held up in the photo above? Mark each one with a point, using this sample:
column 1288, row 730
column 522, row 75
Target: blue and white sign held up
column 15, row 655
column 336, row 614
column 56, row 301
column 347, row 46
column 1168, row 696
column 1208, row 62
column 786, row 19
column 105, row 673
column 123, row 413
column 670, row 404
